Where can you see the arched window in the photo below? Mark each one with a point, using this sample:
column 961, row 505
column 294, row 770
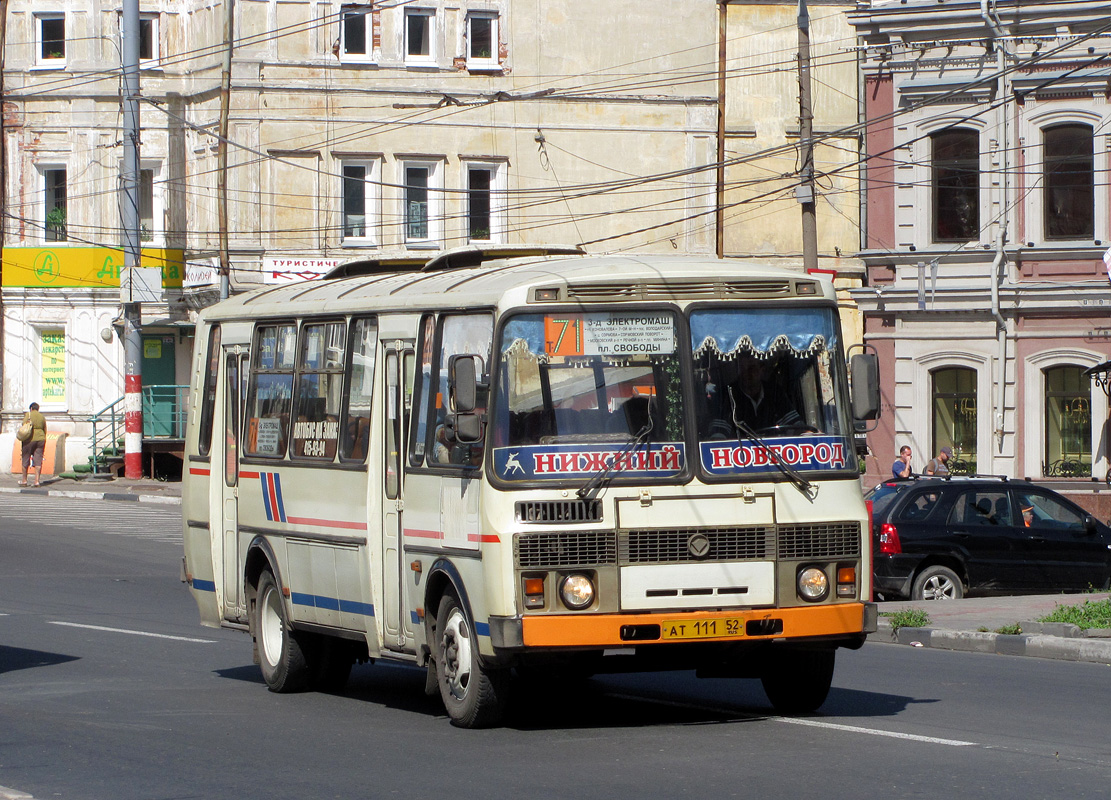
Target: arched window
column 954, row 408
column 1068, row 423
column 1069, row 207
column 955, row 165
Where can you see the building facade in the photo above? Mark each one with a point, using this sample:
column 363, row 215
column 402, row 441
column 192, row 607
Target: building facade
column 390, row 131
column 988, row 130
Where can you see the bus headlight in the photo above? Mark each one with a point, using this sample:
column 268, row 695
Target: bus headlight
column 577, row 591
column 813, row 584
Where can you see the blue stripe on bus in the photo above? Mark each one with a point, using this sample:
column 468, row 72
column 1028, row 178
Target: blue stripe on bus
column 482, row 628
column 204, row 586
column 266, row 496
column 332, row 603
column 278, row 494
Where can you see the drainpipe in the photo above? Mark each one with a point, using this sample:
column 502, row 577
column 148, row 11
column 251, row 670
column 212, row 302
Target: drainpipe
column 998, row 264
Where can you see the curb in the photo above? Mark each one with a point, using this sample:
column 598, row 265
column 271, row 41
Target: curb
column 157, row 499
column 1036, row 645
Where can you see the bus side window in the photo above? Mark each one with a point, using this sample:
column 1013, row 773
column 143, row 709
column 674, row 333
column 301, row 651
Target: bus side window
column 360, row 389
column 271, row 390
column 460, row 334
column 208, row 403
column 319, row 387
column 424, row 392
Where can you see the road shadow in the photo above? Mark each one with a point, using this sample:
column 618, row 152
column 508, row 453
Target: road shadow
column 605, row 701
column 15, row 658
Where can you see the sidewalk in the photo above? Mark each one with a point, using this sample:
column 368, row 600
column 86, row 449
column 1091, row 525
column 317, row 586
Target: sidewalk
column 970, row 624
column 142, row 490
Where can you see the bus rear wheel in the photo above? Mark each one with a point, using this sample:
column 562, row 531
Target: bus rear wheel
column 473, row 695
column 283, row 663
column 798, row 681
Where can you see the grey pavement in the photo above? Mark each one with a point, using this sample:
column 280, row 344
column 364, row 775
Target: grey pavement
column 143, row 490
column 972, row 624
column 969, row 624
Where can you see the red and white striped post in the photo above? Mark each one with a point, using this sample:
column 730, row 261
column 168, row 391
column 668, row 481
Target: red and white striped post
column 133, row 394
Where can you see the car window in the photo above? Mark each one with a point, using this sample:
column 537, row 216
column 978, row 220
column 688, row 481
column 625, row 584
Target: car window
column 882, row 497
column 918, row 507
column 981, row 507
column 1040, row 510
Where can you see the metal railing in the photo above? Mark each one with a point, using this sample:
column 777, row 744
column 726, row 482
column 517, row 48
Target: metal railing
column 165, row 410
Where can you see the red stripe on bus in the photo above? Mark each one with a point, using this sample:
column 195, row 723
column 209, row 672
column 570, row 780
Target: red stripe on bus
column 419, row 534
column 483, row 537
column 199, row 471
column 327, row 523
column 248, row 474
column 270, row 489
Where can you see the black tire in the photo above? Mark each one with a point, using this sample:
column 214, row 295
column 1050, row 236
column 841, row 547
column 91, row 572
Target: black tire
column 473, row 695
column 798, row 681
column 936, row 582
column 283, row 662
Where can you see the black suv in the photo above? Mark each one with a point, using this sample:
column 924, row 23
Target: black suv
column 935, row 539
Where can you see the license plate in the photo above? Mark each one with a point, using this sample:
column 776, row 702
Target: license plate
column 701, row 628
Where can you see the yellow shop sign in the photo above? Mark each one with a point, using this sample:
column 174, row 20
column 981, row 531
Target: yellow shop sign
column 93, row 267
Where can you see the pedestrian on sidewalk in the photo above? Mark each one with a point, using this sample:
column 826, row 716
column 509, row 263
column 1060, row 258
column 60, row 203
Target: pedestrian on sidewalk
column 901, row 470
column 937, row 464
column 34, row 448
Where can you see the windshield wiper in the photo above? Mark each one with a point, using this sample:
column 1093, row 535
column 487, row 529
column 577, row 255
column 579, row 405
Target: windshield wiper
column 801, row 483
column 602, row 477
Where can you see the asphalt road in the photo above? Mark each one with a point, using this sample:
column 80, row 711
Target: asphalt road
column 111, row 690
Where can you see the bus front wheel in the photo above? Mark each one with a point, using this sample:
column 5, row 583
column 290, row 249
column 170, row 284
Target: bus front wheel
column 473, row 695
column 284, row 667
column 798, row 681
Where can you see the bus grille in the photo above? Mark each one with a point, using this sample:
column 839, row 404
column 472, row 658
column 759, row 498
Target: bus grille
column 675, row 546
column 819, row 540
column 559, row 511
column 563, row 549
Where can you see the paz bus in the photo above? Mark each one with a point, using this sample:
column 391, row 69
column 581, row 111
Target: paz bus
column 511, row 464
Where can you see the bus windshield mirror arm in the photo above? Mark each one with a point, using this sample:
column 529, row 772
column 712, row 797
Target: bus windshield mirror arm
column 801, row 483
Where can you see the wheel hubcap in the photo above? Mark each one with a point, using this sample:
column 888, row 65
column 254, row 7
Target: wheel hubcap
column 938, row 588
column 455, row 650
column 270, row 627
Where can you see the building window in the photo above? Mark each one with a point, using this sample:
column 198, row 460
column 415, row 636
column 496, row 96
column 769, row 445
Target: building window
column 955, row 163
column 954, row 410
column 355, row 41
column 421, row 201
column 146, row 205
column 482, row 41
column 148, row 40
column 1068, row 180
column 484, row 207
column 420, row 24
column 1068, row 423
column 54, row 204
column 359, row 202
column 50, row 36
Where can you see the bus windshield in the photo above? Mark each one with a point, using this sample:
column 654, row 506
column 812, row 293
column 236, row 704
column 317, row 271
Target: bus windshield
column 767, row 379
column 584, row 392
column 604, row 390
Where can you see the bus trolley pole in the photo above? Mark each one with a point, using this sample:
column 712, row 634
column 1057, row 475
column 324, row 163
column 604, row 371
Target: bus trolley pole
column 129, row 219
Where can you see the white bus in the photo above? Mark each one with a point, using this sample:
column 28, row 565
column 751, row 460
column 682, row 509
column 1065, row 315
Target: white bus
column 532, row 465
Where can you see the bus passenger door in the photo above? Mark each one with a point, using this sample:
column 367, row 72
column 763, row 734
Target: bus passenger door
column 399, row 370
column 235, row 362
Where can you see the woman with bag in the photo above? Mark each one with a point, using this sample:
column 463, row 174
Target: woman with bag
column 35, row 447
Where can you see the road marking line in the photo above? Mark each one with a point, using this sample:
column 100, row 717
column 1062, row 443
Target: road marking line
column 875, row 732
column 132, row 633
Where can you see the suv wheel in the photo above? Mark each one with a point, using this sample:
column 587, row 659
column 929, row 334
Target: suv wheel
column 937, row 583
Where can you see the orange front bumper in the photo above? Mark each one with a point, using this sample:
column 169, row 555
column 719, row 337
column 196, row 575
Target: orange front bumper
column 605, row 630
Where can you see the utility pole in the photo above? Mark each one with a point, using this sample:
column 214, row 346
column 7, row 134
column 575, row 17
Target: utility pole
column 129, row 219
column 719, row 193
column 3, row 175
column 805, row 191
column 222, row 149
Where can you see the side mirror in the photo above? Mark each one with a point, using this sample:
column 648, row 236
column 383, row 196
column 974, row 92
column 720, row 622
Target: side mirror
column 864, row 372
column 463, row 383
column 465, row 428
column 1089, row 523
